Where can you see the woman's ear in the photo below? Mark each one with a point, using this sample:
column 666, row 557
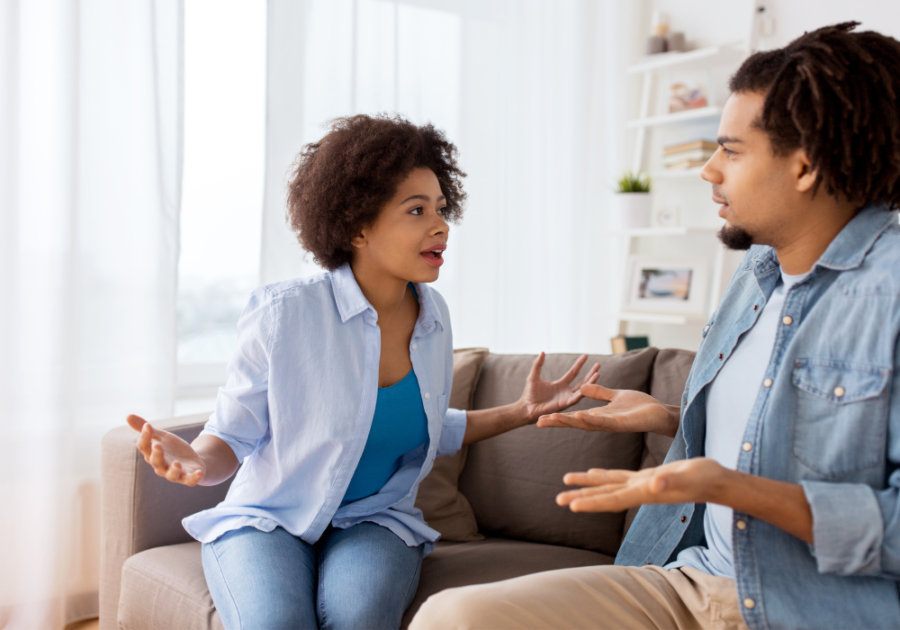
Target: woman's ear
column 359, row 241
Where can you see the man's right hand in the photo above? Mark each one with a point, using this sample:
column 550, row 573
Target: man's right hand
column 170, row 456
column 627, row 412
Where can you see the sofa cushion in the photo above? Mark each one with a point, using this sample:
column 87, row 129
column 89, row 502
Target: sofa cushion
column 492, row 560
column 165, row 588
column 512, row 480
column 444, row 508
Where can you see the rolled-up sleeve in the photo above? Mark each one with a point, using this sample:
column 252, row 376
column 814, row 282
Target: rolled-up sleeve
column 452, row 433
column 848, row 528
column 241, row 417
column 856, row 528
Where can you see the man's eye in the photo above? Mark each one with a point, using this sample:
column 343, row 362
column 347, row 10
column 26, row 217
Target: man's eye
column 728, row 151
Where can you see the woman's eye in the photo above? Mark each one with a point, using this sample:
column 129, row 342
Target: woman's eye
column 416, row 211
column 443, row 211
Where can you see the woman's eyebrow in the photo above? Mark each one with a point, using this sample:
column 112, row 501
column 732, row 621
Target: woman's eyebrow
column 423, row 198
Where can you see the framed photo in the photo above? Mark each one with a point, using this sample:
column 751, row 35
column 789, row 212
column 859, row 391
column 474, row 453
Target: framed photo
column 666, row 285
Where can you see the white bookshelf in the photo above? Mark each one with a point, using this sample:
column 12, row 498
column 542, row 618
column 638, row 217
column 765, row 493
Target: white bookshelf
column 657, row 72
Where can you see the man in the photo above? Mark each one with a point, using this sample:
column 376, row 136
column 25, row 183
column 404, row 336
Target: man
column 777, row 506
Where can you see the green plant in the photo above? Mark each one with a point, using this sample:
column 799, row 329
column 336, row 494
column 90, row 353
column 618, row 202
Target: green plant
column 633, row 183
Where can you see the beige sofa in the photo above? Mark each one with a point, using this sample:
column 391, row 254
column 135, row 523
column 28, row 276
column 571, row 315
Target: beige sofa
column 501, row 523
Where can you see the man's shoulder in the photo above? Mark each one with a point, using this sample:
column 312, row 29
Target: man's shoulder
column 878, row 273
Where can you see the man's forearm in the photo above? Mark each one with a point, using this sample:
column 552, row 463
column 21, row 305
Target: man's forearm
column 778, row 503
column 482, row 424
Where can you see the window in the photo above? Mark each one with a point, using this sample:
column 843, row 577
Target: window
column 221, row 213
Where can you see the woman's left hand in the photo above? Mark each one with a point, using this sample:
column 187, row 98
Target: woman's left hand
column 544, row 397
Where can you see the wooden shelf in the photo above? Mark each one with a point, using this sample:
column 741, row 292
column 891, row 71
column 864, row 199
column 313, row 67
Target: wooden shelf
column 722, row 55
column 660, row 318
column 669, row 119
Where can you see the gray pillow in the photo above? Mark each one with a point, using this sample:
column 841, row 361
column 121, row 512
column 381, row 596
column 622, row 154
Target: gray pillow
column 511, row 480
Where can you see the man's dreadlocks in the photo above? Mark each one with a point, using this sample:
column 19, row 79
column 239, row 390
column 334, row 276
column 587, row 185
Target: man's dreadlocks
column 833, row 93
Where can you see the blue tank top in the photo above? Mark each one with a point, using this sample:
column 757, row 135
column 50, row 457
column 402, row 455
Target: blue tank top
column 398, row 427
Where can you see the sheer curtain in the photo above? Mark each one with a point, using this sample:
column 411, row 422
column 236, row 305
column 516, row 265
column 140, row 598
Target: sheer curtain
column 531, row 93
column 90, row 176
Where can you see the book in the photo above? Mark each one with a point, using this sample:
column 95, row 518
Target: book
column 686, row 164
column 709, row 145
column 696, row 154
column 622, row 344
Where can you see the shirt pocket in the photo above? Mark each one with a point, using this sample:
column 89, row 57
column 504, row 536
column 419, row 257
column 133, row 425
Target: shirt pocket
column 840, row 424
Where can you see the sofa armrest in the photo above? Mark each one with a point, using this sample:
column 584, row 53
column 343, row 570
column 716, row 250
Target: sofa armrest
column 138, row 509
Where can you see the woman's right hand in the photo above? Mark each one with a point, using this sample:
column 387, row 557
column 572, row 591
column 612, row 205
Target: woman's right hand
column 170, row 456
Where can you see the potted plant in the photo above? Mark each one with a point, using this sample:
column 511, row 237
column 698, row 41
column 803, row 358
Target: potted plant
column 633, row 201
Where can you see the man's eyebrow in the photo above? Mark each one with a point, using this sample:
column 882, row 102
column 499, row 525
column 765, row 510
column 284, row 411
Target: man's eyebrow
column 423, row 198
column 728, row 139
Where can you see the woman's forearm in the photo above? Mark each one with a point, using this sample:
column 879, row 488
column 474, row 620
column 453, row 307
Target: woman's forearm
column 482, row 424
column 217, row 456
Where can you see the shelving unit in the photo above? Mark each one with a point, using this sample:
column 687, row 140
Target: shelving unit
column 648, row 121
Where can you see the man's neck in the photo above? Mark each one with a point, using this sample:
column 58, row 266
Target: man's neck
column 801, row 251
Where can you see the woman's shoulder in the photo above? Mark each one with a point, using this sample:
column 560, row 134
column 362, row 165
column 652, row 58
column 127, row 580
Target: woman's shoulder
column 295, row 293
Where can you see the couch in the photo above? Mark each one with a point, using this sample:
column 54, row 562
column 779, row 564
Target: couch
column 492, row 502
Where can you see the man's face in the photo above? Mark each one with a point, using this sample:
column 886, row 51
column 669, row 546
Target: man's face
column 757, row 189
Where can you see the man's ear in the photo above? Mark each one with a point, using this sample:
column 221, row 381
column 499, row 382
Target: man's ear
column 803, row 171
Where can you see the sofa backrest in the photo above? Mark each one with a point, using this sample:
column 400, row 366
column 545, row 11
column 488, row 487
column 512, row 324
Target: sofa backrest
column 511, row 480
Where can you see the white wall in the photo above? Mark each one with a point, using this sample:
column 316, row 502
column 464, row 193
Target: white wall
column 708, row 22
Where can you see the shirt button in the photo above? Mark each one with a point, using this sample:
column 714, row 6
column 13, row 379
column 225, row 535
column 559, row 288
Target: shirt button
column 747, row 446
column 749, row 603
column 427, row 395
column 756, row 307
column 706, row 329
column 787, row 320
column 721, row 356
column 839, row 391
column 767, row 382
column 684, row 519
column 414, row 346
column 741, row 525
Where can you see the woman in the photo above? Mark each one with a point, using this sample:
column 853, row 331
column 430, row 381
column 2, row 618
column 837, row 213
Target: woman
column 336, row 399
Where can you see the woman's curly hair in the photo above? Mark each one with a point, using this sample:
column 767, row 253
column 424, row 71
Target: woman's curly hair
column 834, row 93
column 339, row 184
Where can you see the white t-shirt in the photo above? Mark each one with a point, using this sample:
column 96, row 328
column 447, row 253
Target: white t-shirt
column 729, row 401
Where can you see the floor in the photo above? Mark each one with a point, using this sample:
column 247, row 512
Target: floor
column 90, row 624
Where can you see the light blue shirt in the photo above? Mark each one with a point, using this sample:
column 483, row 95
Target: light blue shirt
column 298, row 404
column 728, row 407
column 829, row 421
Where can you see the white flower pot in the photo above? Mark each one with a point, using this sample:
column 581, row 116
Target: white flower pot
column 633, row 210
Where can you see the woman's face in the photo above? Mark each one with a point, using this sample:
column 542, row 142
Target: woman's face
column 408, row 238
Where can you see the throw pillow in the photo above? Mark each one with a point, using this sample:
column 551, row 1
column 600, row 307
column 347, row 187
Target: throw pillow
column 444, row 508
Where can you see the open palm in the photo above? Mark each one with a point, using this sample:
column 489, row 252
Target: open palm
column 628, row 411
column 169, row 455
column 543, row 397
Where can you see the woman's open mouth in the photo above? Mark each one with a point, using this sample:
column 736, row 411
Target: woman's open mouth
column 434, row 256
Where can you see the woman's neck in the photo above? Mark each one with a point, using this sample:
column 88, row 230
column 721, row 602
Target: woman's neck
column 386, row 293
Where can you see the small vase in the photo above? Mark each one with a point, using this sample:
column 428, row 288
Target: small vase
column 633, row 210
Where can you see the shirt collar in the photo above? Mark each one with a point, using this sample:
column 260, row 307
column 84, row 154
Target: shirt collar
column 849, row 247
column 351, row 301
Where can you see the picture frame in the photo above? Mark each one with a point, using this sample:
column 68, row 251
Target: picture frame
column 667, row 285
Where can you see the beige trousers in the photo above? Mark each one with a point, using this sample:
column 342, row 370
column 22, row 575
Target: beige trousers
column 602, row 597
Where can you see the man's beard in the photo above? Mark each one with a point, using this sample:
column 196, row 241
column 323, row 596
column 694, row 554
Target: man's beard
column 735, row 238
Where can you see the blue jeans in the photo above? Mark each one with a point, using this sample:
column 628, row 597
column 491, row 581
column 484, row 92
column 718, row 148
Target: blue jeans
column 360, row 577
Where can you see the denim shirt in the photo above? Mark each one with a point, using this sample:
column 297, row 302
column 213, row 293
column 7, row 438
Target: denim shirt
column 829, row 421
column 298, row 404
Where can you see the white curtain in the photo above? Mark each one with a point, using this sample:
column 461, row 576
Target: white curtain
column 531, row 91
column 90, row 177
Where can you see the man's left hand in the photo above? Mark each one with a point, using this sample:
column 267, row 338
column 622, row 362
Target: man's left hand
column 694, row 480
